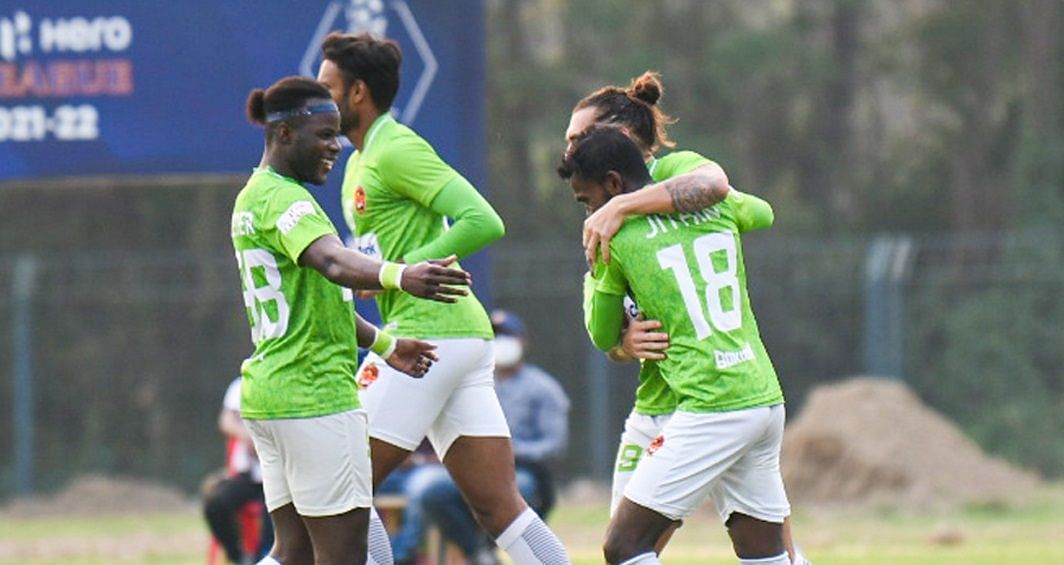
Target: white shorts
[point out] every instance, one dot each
(320, 465)
(455, 398)
(731, 457)
(639, 431)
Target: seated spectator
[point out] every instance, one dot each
(241, 485)
(537, 410)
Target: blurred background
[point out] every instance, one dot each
(913, 151)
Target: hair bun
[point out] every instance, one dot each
(647, 87)
(256, 107)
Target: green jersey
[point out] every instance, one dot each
(388, 188)
(653, 396)
(686, 270)
(306, 350)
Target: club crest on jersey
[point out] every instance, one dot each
(368, 375)
(360, 200)
(655, 445)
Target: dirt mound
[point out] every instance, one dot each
(93, 495)
(870, 440)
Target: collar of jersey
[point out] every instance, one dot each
(653, 164)
(269, 171)
(374, 128)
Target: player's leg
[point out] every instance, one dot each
(291, 544)
(639, 431)
(685, 463)
(328, 472)
(751, 499)
(473, 441)
(483, 470)
(339, 539)
(633, 533)
(401, 409)
(378, 545)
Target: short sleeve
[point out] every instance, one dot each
(412, 168)
(751, 212)
(295, 220)
(678, 163)
(232, 396)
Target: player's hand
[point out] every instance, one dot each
(599, 228)
(367, 294)
(435, 281)
(642, 342)
(412, 356)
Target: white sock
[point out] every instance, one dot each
(781, 559)
(528, 541)
(378, 545)
(648, 558)
(800, 559)
(268, 560)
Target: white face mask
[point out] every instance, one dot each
(508, 351)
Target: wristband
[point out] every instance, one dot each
(383, 344)
(391, 275)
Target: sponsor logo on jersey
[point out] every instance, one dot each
(655, 445)
(291, 216)
(368, 375)
(369, 244)
(360, 200)
(727, 359)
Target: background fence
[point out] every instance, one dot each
(121, 319)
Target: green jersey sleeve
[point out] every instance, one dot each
(604, 309)
(676, 163)
(475, 223)
(751, 212)
(295, 220)
(604, 304)
(413, 169)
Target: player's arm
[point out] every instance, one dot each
(411, 356)
(692, 191)
(475, 223)
(605, 319)
(350, 268)
(751, 212)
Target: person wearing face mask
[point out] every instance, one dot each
(537, 411)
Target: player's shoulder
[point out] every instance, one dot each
(678, 163)
(632, 231)
(681, 155)
(395, 134)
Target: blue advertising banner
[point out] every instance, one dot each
(103, 87)
(127, 86)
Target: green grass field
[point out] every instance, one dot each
(1027, 533)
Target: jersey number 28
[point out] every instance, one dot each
(256, 297)
(724, 319)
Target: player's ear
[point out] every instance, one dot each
(285, 134)
(357, 92)
(614, 183)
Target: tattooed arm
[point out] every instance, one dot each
(689, 192)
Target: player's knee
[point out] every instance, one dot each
(495, 513)
(620, 547)
(753, 538)
(293, 550)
